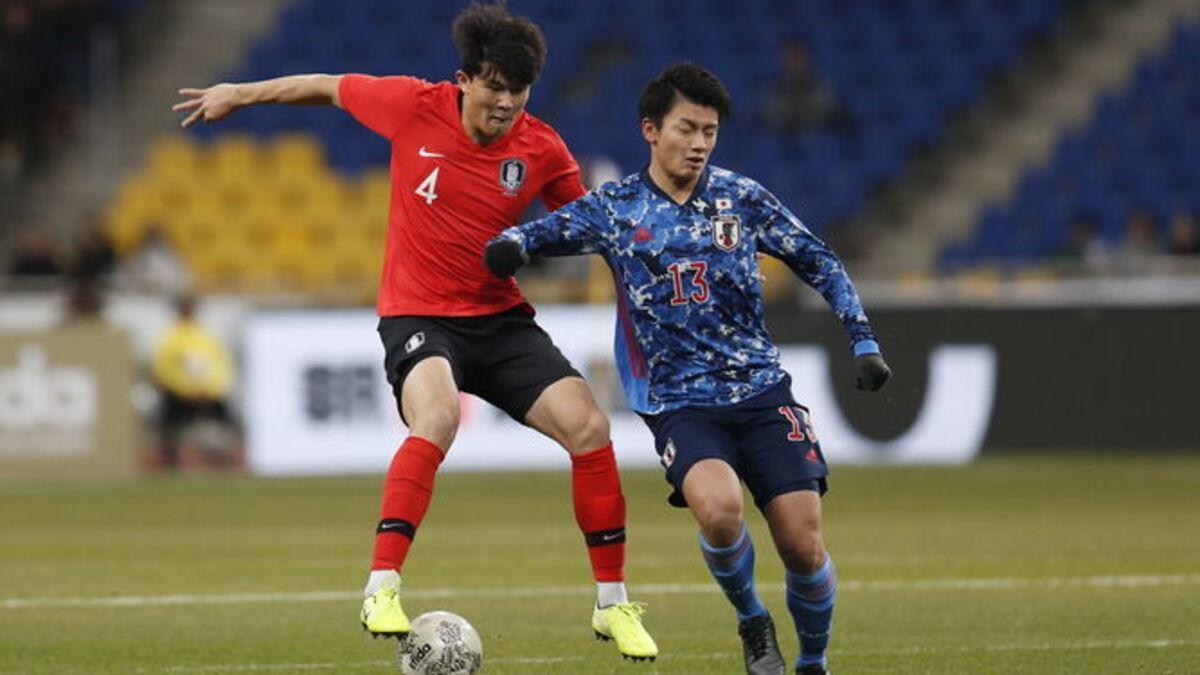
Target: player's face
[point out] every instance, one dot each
(682, 146)
(490, 105)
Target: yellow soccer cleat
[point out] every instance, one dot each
(383, 615)
(622, 622)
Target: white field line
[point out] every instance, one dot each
(1032, 647)
(1004, 583)
(530, 660)
(711, 656)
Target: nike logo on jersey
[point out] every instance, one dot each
(425, 153)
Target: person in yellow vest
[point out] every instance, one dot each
(194, 372)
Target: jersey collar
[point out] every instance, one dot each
(701, 186)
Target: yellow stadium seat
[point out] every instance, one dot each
(319, 234)
(175, 194)
(375, 191)
(236, 156)
(197, 234)
(296, 154)
(173, 156)
(136, 205)
(232, 195)
(305, 195)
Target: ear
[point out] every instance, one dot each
(462, 79)
(649, 131)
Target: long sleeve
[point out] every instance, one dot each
(583, 226)
(785, 237)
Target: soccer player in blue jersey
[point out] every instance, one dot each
(695, 358)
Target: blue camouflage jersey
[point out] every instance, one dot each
(690, 329)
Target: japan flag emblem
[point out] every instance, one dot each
(727, 231)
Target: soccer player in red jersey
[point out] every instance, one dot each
(466, 162)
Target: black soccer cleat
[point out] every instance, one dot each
(813, 669)
(759, 646)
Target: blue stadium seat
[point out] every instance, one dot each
(898, 70)
(1138, 152)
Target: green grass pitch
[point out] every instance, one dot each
(1026, 565)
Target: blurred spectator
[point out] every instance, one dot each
(800, 99)
(20, 97)
(84, 302)
(1140, 246)
(34, 257)
(1085, 247)
(193, 370)
(1184, 237)
(93, 254)
(155, 266)
(45, 48)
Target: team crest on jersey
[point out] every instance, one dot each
(727, 231)
(512, 176)
(724, 203)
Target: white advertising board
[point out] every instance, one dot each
(317, 402)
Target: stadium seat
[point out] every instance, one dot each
(1138, 152)
(897, 69)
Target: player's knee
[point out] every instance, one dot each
(720, 518)
(591, 433)
(438, 425)
(804, 554)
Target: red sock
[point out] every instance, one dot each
(406, 494)
(600, 511)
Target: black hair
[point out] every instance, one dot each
(488, 37)
(688, 80)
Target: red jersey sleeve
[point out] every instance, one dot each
(382, 104)
(563, 184)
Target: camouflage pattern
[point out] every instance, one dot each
(690, 328)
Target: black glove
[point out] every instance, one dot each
(504, 257)
(873, 372)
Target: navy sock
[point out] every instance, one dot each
(733, 568)
(810, 600)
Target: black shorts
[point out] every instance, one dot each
(767, 439)
(506, 359)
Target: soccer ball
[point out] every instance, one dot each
(440, 643)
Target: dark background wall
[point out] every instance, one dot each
(1069, 378)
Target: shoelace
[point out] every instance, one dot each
(633, 610)
(756, 636)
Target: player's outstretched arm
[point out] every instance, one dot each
(575, 229)
(219, 101)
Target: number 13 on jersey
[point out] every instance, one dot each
(698, 281)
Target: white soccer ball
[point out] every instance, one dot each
(441, 643)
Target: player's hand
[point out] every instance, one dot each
(504, 257)
(210, 105)
(873, 372)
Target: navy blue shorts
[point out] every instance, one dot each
(768, 440)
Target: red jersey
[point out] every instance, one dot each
(451, 195)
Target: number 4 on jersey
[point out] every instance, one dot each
(428, 187)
